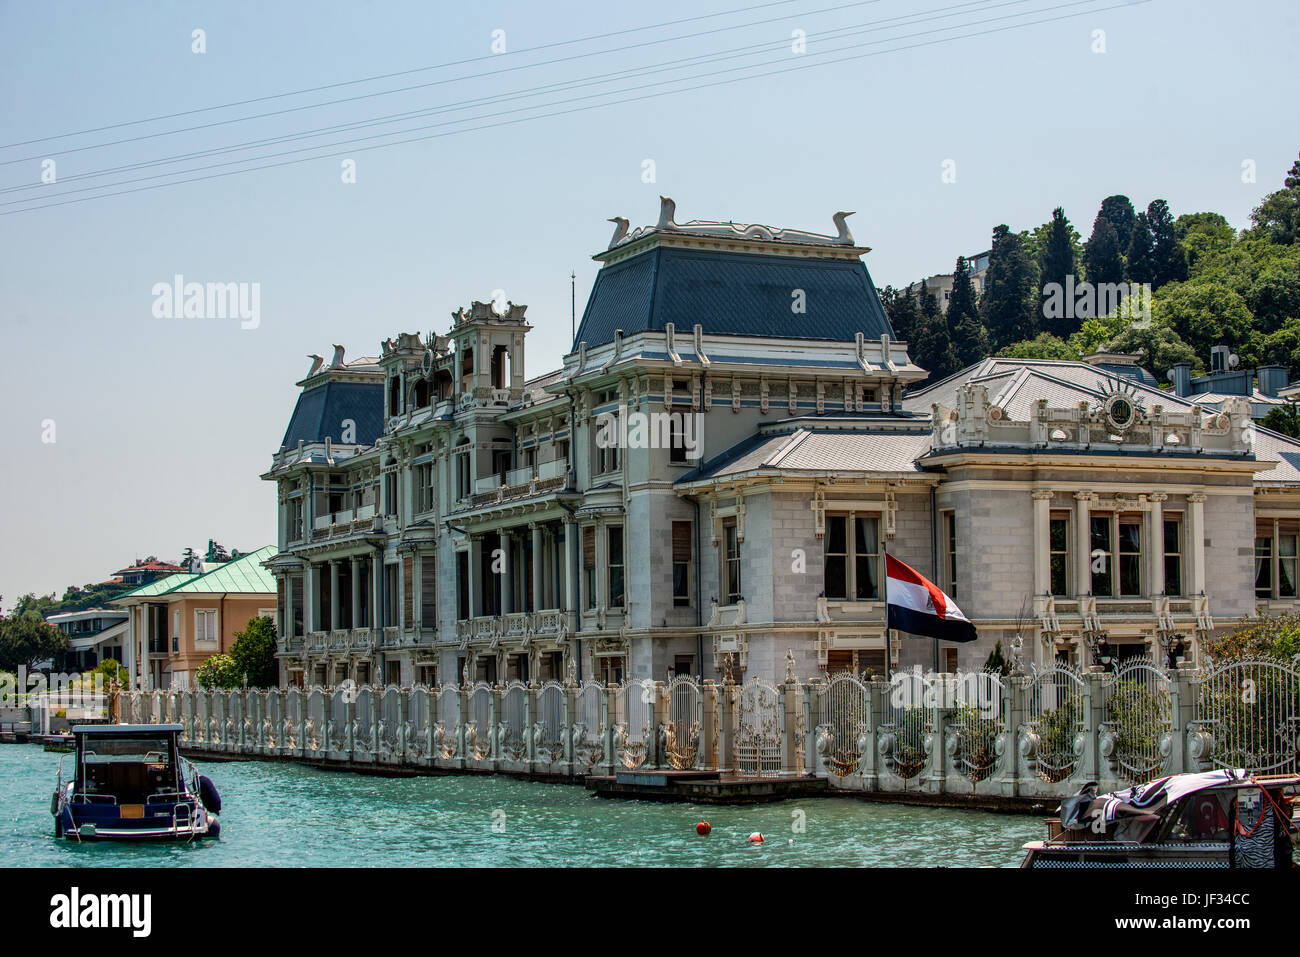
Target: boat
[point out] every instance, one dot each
(130, 783)
(1221, 818)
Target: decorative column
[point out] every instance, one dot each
(507, 581)
(537, 565)
(1156, 543)
(570, 580)
(309, 611)
(417, 590)
(1082, 544)
(1196, 537)
(1042, 541)
(334, 595)
(355, 579)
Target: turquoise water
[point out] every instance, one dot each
(278, 815)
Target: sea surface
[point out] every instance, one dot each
(284, 815)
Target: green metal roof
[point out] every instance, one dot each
(244, 575)
(158, 586)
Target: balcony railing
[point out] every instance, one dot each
(350, 521)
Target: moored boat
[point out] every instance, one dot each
(130, 783)
(1223, 818)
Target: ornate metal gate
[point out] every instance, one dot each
(1250, 713)
(1139, 719)
(758, 728)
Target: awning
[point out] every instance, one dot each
(91, 641)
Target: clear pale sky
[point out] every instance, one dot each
(162, 426)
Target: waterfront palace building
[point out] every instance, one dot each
(713, 477)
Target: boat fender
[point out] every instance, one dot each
(208, 794)
(214, 828)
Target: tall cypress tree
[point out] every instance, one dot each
(1056, 261)
(933, 351)
(1010, 304)
(1119, 211)
(901, 308)
(1169, 259)
(970, 339)
(1102, 260)
(1140, 262)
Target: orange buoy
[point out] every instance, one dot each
(703, 828)
(756, 838)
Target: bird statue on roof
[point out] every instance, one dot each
(620, 231)
(316, 363)
(338, 357)
(667, 212)
(842, 237)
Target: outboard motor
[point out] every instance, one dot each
(208, 794)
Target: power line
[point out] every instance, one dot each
(418, 86)
(805, 66)
(700, 59)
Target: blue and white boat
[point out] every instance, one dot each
(131, 784)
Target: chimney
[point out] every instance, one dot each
(1272, 378)
(1180, 375)
(1218, 359)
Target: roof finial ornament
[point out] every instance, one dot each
(843, 236)
(337, 362)
(620, 231)
(316, 363)
(667, 210)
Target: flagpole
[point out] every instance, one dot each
(889, 634)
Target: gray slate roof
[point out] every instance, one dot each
(730, 293)
(807, 450)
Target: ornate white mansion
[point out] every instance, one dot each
(442, 515)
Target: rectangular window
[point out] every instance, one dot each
(462, 585)
(614, 562)
(390, 493)
(683, 537)
(464, 485)
(1059, 545)
(424, 487)
(1102, 555)
(1286, 564)
(1263, 566)
(205, 624)
(677, 438)
(589, 564)
(950, 552)
(1173, 552)
(1130, 555)
(852, 563)
(730, 562)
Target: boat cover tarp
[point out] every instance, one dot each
(1143, 800)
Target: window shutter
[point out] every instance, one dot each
(408, 590)
(681, 541)
(428, 590)
(589, 547)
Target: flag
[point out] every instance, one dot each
(918, 606)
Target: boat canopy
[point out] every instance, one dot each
(104, 729)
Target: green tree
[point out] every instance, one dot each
(1057, 260)
(1043, 346)
(1140, 262)
(1102, 260)
(1203, 234)
(1010, 304)
(1118, 211)
(219, 671)
(970, 339)
(1276, 636)
(1278, 216)
(253, 651)
(1206, 314)
(1160, 346)
(112, 671)
(1284, 419)
(934, 350)
(26, 640)
(900, 307)
(1169, 259)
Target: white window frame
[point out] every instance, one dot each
(200, 631)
